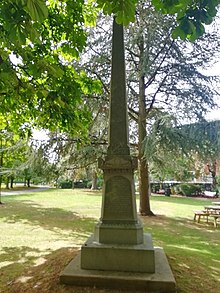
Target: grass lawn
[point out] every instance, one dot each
(42, 231)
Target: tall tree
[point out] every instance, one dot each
(39, 38)
(45, 32)
(163, 76)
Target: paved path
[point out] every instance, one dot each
(24, 191)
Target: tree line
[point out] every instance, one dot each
(44, 84)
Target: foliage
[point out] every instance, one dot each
(37, 86)
(191, 15)
(38, 40)
(21, 159)
(172, 89)
(188, 189)
(207, 136)
(12, 153)
(173, 85)
(170, 69)
(65, 184)
(192, 145)
(164, 139)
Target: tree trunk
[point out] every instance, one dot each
(144, 186)
(7, 183)
(29, 182)
(144, 183)
(11, 181)
(94, 181)
(73, 178)
(213, 171)
(0, 189)
(1, 164)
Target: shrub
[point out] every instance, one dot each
(189, 189)
(65, 184)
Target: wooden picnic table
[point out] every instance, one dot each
(216, 202)
(213, 208)
(209, 211)
(214, 212)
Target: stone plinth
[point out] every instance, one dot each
(161, 280)
(127, 258)
(129, 234)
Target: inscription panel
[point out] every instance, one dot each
(118, 199)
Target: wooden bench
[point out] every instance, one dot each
(200, 214)
(215, 216)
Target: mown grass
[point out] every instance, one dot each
(41, 232)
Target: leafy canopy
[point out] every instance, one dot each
(38, 40)
(191, 15)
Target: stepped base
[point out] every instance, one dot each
(162, 280)
(118, 257)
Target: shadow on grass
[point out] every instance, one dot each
(193, 249)
(33, 273)
(48, 218)
(177, 229)
(191, 276)
(45, 277)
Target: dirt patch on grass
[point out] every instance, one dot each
(45, 277)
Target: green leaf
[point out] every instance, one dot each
(178, 32)
(187, 26)
(170, 6)
(55, 71)
(205, 17)
(37, 10)
(200, 29)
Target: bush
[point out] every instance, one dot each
(188, 189)
(155, 187)
(80, 184)
(65, 184)
(99, 183)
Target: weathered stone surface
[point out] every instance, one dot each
(119, 233)
(119, 257)
(161, 281)
(118, 122)
(118, 201)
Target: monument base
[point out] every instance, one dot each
(118, 257)
(162, 280)
(119, 234)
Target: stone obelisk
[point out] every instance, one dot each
(119, 234)
(119, 222)
(119, 254)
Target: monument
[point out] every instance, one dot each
(119, 246)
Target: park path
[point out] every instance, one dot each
(24, 191)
